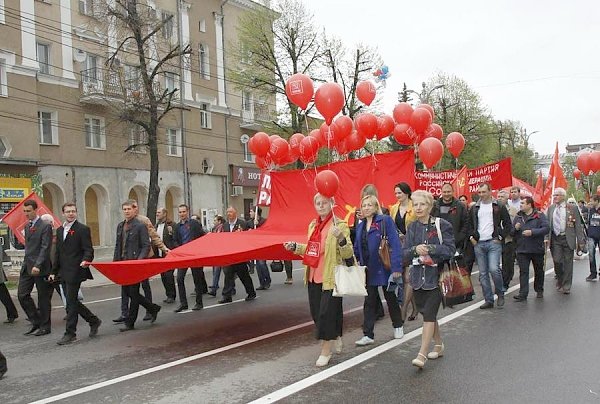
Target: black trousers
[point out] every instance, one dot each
(75, 308)
(241, 270)
(133, 292)
(40, 315)
(3, 366)
(524, 260)
(326, 312)
(125, 298)
(371, 309)
(199, 284)
(168, 280)
(11, 310)
(508, 263)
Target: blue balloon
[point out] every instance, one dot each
(384, 69)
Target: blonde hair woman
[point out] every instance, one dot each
(424, 250)
(328, 245)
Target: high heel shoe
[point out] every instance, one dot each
(419, 361)
(436, 354)
(323, 360)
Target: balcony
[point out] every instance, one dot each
(254, 115)
(100, 86)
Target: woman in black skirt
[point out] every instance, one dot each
(423, 251)
(328, 245)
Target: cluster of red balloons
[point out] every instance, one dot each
(588, 162)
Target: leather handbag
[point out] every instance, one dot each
(277, 266)
(384, 248)
(350, 280)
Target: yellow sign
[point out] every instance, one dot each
(14, 189)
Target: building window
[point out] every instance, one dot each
(248, 156)
(202, 25)
(204, 61)
(90, 74)
(138, 140)
(207, 166)
(132, 80)
(95, 137)
(174, 142)
(43, 57)
(246, 101)
(167, 29)
(3, 78)
(48, 123)
(205, 116)
(86, 7)
(171, 81)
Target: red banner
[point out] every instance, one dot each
(460, 184)
(16, 219)
(264, 190)
(498, 175)
(556, 179)
(290, 213)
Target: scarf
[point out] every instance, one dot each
(313, 247)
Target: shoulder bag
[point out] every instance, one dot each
(350, 279)
(384, 248)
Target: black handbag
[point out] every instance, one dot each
(277, 266)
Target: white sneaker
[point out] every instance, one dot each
(365, 341)
(398, 332)
(339, 345)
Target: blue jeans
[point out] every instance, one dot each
(215, 278)
(488, 254)
(591, 247)
(262, 270)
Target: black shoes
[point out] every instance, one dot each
(591, 278)
(41, 332)
(154, 314)
(10, 320)
(540, 295)
(486, 305)
(198, 307)
(126, 328)
(520, 298)
(121, 319)
(147, 317)
(32, 330)
(180, 309)
(250, 297)
(67, 339)
(169, 300)
(225, 300)
(212, 293)
(94, 328)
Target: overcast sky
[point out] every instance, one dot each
(534, 61)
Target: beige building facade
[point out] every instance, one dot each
(59, 107)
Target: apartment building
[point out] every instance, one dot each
(60, 103)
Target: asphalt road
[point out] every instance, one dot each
(542, 350)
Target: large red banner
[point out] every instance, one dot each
(16, 219)
(498, 175)
(291, 211)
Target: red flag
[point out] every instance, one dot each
(556, 179)
(461, 184)
(539, 189)
(16, 219)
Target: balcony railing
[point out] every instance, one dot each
(256, 112)
(98, 85)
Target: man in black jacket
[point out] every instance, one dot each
(164, 229)
(72, 258)
(185, 231)
(133, 243)
(235, 224)
(452, 210)
(35, 270)
(489, 223)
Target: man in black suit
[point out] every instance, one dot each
(164, 229)
(72, 258)
(185, 231)
(133, 243)
(35, 270)
(234, 224)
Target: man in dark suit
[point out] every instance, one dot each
(566, 234)
(234, 224)
(185, 231)
(35, 270)
(72, 258)
(133, 243)
(164, 229)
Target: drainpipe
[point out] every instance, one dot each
(187, 193)
(228, 177)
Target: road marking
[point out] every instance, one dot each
(177, 362)
(356, 360)
(215, 305)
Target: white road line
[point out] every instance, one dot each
(216, 305)
(177, 362)
(334, 370)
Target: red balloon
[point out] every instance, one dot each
(344, 125)
(402, 134)
(385, 126)
(434, 130)
(328, 133)
(366, 92)
(430, 151)
(420, 120)
(366, 125)
(295, 140)
(595, 161)
(342, 146)
(355, 141)
(327, 183)
(577, 173)
(309, 146)
(261, 144)
(299, 89)
(329, 100)
(316, 133)
(263, 162)
(279, 151)
(428, 108)
(584, 163)
(403, 112)
(455, 143)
